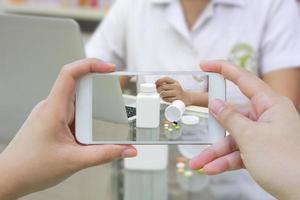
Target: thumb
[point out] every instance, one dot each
(231, 120)
(99, 154)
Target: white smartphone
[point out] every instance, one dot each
(106, 110)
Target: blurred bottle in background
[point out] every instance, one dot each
(103, 4)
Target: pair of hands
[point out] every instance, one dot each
(264, 139)
(44, 152)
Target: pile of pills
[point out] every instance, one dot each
(171, 126)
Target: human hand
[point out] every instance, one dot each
(265, 139)
(171, 90)
(44, 152)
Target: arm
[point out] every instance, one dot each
(198, 98)
(286, 82)
(280, 47)
(45, 152)
(171, 90)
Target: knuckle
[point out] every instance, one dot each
(226, 115)
(93, 60)
(40, 106)
(40, 111)
(66, 70)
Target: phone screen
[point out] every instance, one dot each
(151, 108)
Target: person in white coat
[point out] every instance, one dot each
(161, 35)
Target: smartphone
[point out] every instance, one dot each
(106, 110)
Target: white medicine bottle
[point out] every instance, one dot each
(147, 107)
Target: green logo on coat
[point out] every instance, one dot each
(243, 55)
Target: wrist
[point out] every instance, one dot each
(199, 98)
(188, 98)
(193, 98)
(8, 182)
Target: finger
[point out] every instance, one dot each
(224, 147)
(232, 161)
(249, 84)
(236, 123)
(64, 88)
(99, 154)
(159, 90)
(165, 87)
(170, 99)
(168, 94)
(163, 80)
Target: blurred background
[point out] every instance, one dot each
(88, 13)
(97, 182)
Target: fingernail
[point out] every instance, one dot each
(193, 164)
(216, 106)
(129, 153)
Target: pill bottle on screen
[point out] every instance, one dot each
(148, 107)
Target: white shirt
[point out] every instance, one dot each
(260, 35)
(263, 36)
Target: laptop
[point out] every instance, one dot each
(109, 103)
(32, 52)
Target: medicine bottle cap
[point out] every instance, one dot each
(173, 114)
(190, 120)
(148, 88)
